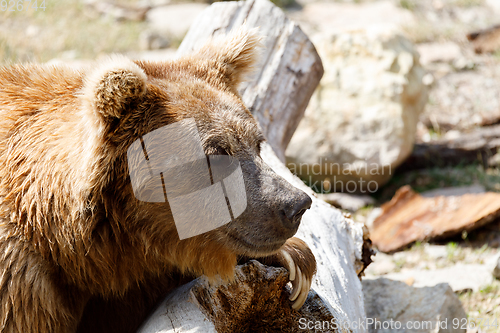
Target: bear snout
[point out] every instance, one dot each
(292, 213)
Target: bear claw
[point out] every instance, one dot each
(296, 285)
(299, 260)
(290, 263)
(301, 283)
(306, 285)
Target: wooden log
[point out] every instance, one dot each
(476, 146)
(288, 72)
(411, 217)
(255, 301)
(342, 250)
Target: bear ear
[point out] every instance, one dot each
(236, 52)
(113, 85)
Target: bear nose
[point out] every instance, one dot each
(293, 212)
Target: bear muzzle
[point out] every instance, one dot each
(291, 214)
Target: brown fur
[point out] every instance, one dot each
(77, 251)
(486, 41)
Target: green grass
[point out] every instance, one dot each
(413, 4)
(490, 289)
(451, 250)
(429, 179)
(496, 54)
(468, 3)
(483, 307)
(408, 4)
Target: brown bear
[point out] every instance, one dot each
(78, 251)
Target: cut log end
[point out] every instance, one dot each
(256, 301)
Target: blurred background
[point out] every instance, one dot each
(402, 132)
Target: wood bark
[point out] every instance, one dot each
(287, 74)
(255, 301)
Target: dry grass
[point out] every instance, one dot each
(467, 3)
(65, 29)
(483, 308)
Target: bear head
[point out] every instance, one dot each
(193, 104)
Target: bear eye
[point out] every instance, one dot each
(217, 150)
(259, 145)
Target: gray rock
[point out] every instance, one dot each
(447, 52)
(361, 122)
(153, 3)
(454, 191)
(372, 216)
(496, 270)
(435, 251)
(494, 4)
(464, 100)
(174, 20)
(118, 12)
(339, 16)
(154, 55)
(152, 40)
(460, 277)
(433, 309)
(350, 202)
(382, 264)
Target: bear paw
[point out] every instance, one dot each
(296, 256)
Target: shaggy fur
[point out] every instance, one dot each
(78, 252)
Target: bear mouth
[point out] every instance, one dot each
(262, 249)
